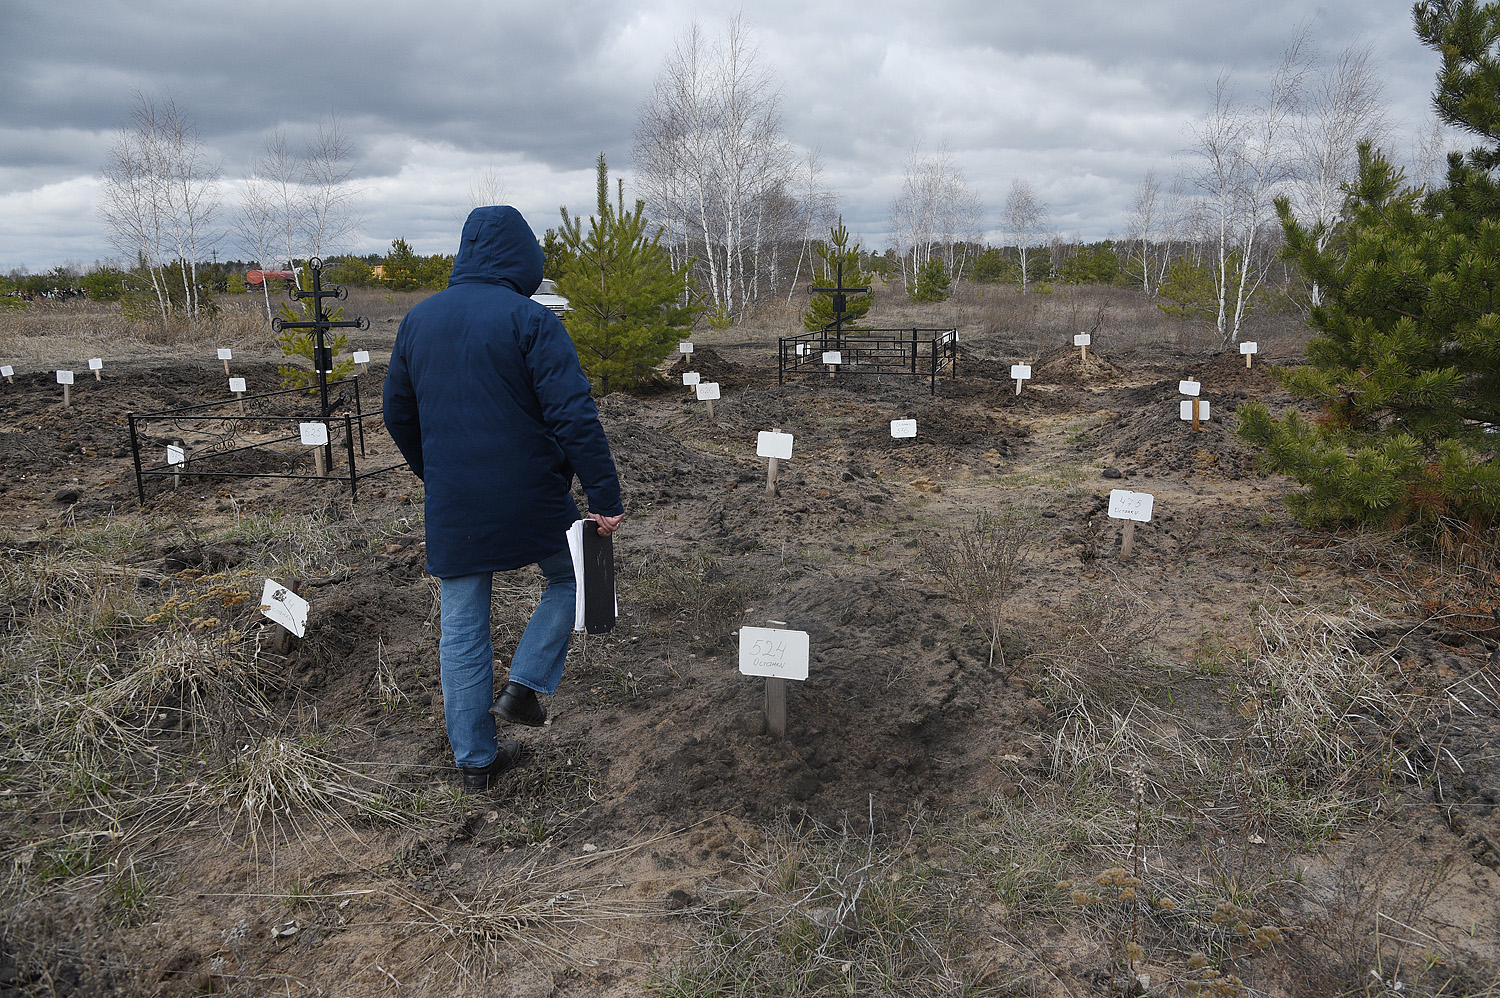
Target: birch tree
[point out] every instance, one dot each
(1144, 217)
(309, 191)
(1344, 106)
(715, 170)
(1025, 221)
(816, 209)
(331, 199)
(934, 213)
(132, 209)
(1245, 158)
(255, 222)
(159, 197)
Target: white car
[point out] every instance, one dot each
(547, 295)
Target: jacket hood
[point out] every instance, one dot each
(498, 247)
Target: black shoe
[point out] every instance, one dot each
(482, 779)
(518, 705)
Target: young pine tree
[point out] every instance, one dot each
(1406, 361)
(627, 297)
(933, 283)
(820, 311)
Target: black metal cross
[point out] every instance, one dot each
(840, 302)
(322, 355)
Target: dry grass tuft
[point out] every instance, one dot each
(980, 567)
(822, 911)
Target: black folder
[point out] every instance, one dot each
(598, 580)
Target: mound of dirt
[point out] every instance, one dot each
(1151, 433)
(712, 366)
(1226, 371)
(654, 467)
(1064, 366)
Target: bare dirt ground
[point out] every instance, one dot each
(1251, 759)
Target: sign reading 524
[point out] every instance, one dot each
(774, 652)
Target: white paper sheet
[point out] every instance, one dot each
(575, 549)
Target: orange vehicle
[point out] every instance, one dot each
(255, 278)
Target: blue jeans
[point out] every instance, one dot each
(466, 653)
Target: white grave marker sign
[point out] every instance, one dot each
(803, 349)
(284, 606)
(1185, 409)
(707, 391)
(773, 652)
(313, 434)
(176, 455)
(237, 385)
(96, 363)
(1192, 388)
(1020, 372)
(225, 353)
(1127, 505)
(833, 356)
(691, 378)
(684, 346)
(773, 444)
(64, 377)
(361, 356)
(903, 428)
(7, 371)
(1083, 340)
(1249, 346)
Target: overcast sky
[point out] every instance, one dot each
(1079, 97)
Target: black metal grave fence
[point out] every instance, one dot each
(239, 438)
(913, 353)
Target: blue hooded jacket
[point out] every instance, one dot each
(487, 401)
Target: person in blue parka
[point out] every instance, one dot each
(486, 400)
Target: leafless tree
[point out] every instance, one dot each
(308, 192)
(255, 222)
(1145, 215)
(487, 188)
(1430, 147)
(714, 168)
(132, 208)
(816, 209)
(160, 195)
(1344, 106)
(1245, 159)
(277, 173)
(331, 199)
(934, 212)
(1025, 221)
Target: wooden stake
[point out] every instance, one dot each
(1127, 543)
(319, 460)
(1195, 414)
(98, 374)
(1247, 360)
(1018, 386)
(1083, 353)
(771, 469)
(67, 395)
(776, 706)
(226, 368)
(710, 409)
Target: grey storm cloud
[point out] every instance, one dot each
(1080, 97)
